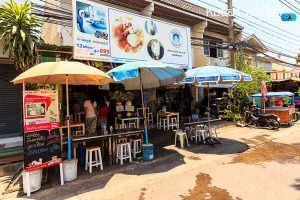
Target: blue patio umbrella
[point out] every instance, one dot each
(146, 74)
(211, 75)
(215, 75)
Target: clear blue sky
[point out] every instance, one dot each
(260, 9)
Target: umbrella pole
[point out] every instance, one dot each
(68, 117)
(208, 109)
(143, 106)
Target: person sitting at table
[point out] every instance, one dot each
(90, 114)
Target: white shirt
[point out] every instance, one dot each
(90, 111)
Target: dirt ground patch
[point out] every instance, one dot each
(193, 158)
(203, 190)
(268, 150)
(142, 194)
(256, 140)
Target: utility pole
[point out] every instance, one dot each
(231, 32)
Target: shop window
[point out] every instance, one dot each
(220, 53)
(211, 47)
(206, 48)
(213, 50)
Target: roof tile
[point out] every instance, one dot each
(195, 9)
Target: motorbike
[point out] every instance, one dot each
(270, 121)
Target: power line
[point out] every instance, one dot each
(263, 20)
(63, 9)
(247, 35)
(290, 6)
(263, 35)
(270, 56)
(54, 15)
(52, 9)
(63, 2)
(252, 22)
(243, 21)
(264, 27)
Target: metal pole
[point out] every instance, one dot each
(231, 32)
(208, 109)
(143, 106)
(68, 117)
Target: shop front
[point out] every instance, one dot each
(89, 125)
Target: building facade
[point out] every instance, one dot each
(209, 37)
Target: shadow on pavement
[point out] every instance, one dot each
(166, 158)
(228, 146)
(297, 184)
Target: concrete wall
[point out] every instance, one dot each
(265, 65)
(198, 57)
(278, 67)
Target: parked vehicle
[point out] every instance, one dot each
(270, 121)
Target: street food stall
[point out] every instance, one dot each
(278, 103)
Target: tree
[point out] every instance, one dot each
(242, 92)
(20, 30)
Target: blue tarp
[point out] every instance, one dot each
(274, 94)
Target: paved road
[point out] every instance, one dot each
(250, 164)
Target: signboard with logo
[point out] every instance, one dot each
(107, 34)
(40, 110)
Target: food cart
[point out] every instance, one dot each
(278, 103)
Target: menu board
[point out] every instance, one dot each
(41, 133)
(42, 148)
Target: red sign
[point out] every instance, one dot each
(54, 161)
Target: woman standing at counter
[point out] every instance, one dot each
(90, 114)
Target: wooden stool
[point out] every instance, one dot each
(89, 162)
(121, 139)
(163, 123)
(120, 126)
(174, 123)
(136, 146)
(123, 152)
(131, 125)
(150, 117)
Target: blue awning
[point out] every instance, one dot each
(274, 94)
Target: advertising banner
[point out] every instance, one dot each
(41, 133)
(40, 110)
(108, 34)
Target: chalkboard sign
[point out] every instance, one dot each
(41, 146)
